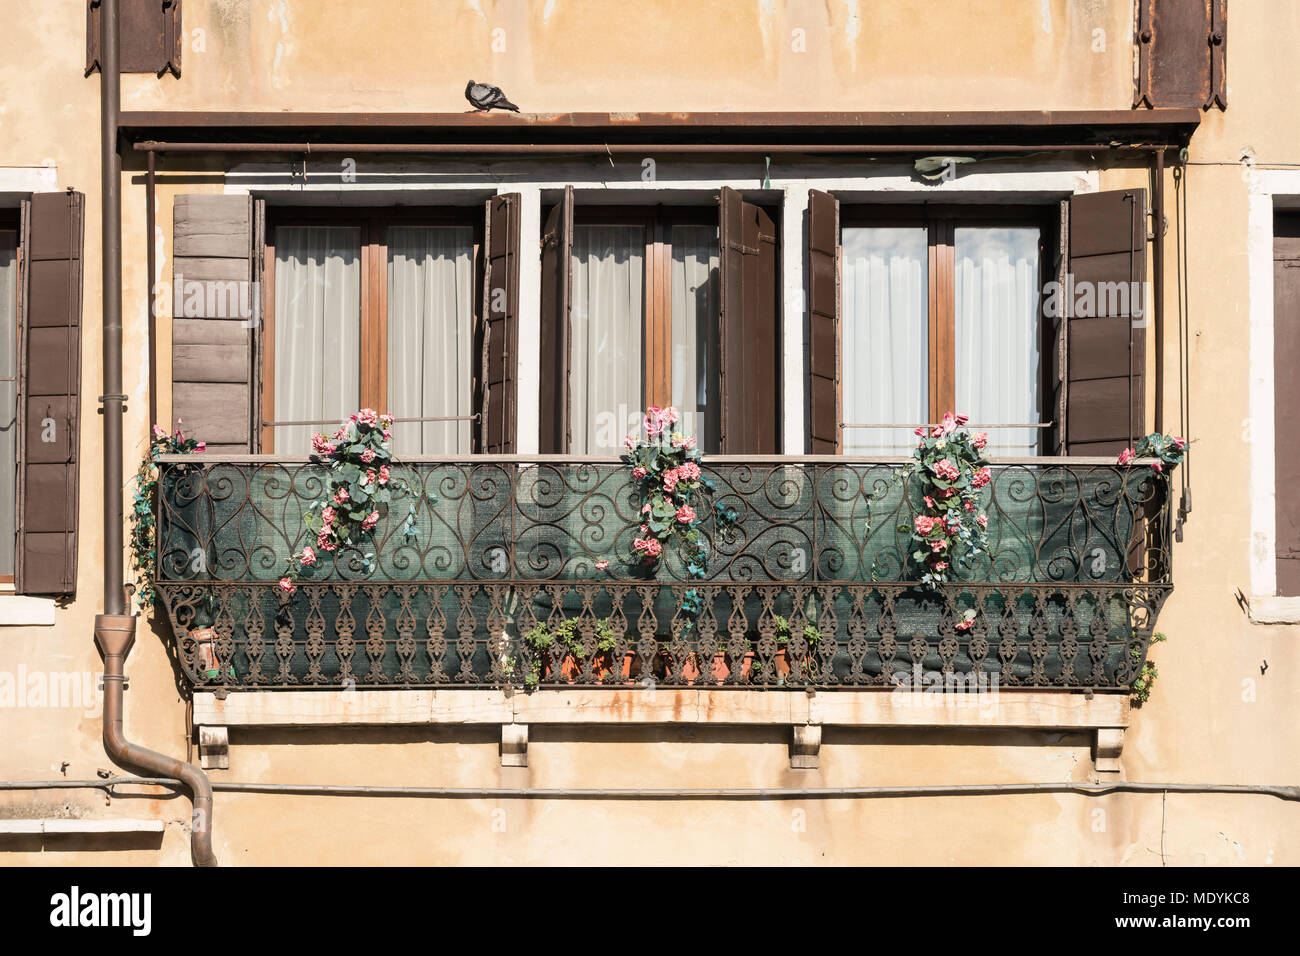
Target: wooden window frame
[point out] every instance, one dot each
(10, 221)
(941, 223)
(373, 358)
(657, 285)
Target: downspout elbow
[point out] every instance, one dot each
(115, 634)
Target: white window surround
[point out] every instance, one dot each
(687, 182)
(1268, 191)
(18, 610)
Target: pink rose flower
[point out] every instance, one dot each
(308, 557)
(159, 431)
(602, 565)
(653, 421)
(328, 515)
(370, 477)
(947, 492)
(936, 432)
(385, 420)
(342, 433)
(929, 502)
(287, 586)
(368, 416)
(969, 506)
(367, 456)
(1126, 456)
(372, 519)
(924, 524)
(964, 625)
(325, 541)
(319, 443)
(982, 521)
(949, 423)
(690, 470)
(383, 474)
(670, 415)
(981, 478)
(1158, 467)
(688, 443)
(629, 442)
(670, 480)
(653, 547)
(685, 514)
(946, 470)
(645, 508)
(937, 546)
(919, 432)
(1180, 443)
(638, 472)
(961, 419)
(388, 435)
(981, 439)
(940, 566)
(201, 446)
(341, 495)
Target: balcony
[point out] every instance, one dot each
(809, 587)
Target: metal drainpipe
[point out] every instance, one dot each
(115, 628)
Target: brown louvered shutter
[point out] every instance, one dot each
(1286, 395)
(1106, 353)
(214, 307)
(555, 361)
(1182, 53)
(824, 322)
(50, 387)
(501, 324)
(749, 369)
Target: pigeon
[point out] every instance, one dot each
(483, 97)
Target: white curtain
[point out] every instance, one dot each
(695, 332)
(8, 398)
(430, 319)
(998, 371)
(606, 319)
(884, 339)
(317, 330)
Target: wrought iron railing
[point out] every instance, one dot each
(810, 584)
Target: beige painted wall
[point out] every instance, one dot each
(1204, 723)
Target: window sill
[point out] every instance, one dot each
(17, 610)
(1271, 609)
(56, 825)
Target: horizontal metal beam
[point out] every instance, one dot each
(880, 121)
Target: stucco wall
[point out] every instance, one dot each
(1216, 713)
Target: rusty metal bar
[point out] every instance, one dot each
(606, 149)
(1158, 277)
(151, 265)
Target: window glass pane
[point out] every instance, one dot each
(317, 330)
(430, 325)
(998, 333)
(884, 339)
(695, 332)
(8, 395)
(607, 320)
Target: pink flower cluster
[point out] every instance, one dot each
(649, 547)
(657, 419)
(946, 470)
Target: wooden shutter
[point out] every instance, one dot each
(214, 309)
(50, 387)
(1182, 53)
(501, 324)
(1106, 354)
(824, 322)
(749, 369)
(556, 361)
(1286, 394)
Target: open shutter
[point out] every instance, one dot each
(501, 324)
(1182, 53)
(50, 387)
(750, 369)
(214, 309)
(1106, 332)
(556, 360)
(824, 322)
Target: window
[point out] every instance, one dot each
(644, 323)
(372, 309)
(941, 311)
(8, 393)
